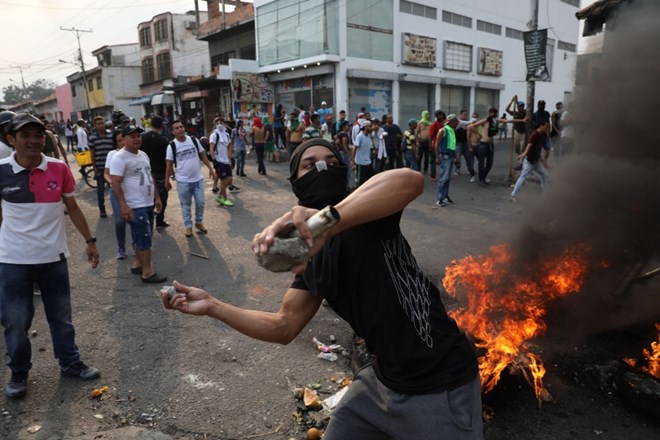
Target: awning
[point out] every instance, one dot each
(140, 101)
(162, 99)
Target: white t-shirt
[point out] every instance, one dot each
(81, 134)
(188, 163)
(220, 138)
(137, 184)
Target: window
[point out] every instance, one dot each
(370, 34)
(222, 59)
(562, 45)
(575, 3)
(73, 90)
(514, 33)
(99, 83)
(459, 20)
(160, 30)
(489, 27)
(147, 70)
(145, 37)
(163, 65)
(458, 56)
(90, 85)
(295, 29)
(417, 9)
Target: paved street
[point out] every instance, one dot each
(176, 376)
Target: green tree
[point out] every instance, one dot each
(39, 89)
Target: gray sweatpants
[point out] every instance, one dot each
(371, 411)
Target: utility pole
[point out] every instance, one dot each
(24, 89)
(82, 66)
(531, 85)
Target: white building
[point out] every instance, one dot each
(110, 86)
(402, 57)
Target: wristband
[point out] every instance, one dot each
(91, 240)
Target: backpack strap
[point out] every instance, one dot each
(173, 148)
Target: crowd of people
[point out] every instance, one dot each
(361, 174)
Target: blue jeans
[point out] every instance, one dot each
(485, 156)
(186, 193)
(463, 149)
(142, 227)
(100, 190)
(446, 165)
(120, 223)
(159, 180)
(411, 160)
(527, 169)
(17, 311)
(240, 162)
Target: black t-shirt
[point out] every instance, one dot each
(538, 141)
(392, 139)
(370, 278)
(155, 145)
(340, 141)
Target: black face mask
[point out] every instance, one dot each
(318, 189)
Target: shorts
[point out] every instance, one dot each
(141, 227)
(223, 170)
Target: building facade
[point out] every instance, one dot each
(108, 87)
(402, 57)
(170, 54)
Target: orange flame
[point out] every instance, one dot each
(506, 309)
(651, 358)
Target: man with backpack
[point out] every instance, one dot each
(187, 154)
(155, 145)
(220, 144)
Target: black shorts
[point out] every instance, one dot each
(223, 170)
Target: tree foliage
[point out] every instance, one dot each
(37, 90)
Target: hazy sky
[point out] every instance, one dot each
(33, 41)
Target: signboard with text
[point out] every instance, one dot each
(535, 49)
(490, 62)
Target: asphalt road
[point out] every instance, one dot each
(181, 377)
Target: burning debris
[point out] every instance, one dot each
(505, 309)
(651, 362)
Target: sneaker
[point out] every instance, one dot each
(188, 232)
(219, 199)
(243, 175)
(472, 179)
(514, 199)
(103, 214)
(215, 190)
(234, 189)
(121, 254)
(201, 228)
(79, 369)
(227, 202)
(17, 385)
(162, 224)
(487, 180)
(483, 184)
(448, 199)
(457, 173)
(440, 203)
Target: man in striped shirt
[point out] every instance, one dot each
(101, 142)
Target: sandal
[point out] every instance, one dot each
(136, 270)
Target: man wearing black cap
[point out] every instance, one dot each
(133, 184)
(423, 368)
(33, 251)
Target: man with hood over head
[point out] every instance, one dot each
(423, 368)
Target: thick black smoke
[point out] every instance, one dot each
(607, 194)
